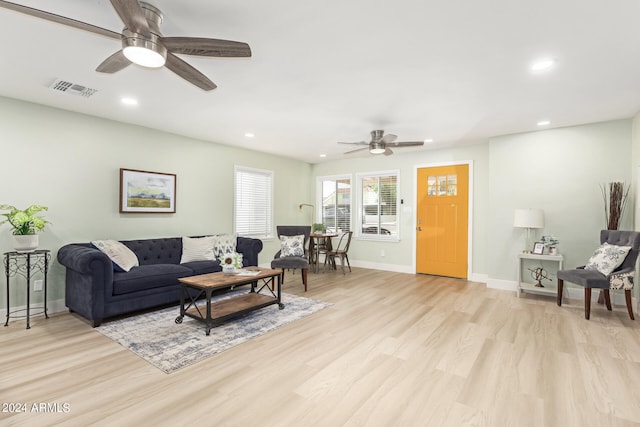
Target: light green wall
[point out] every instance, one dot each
(559, 171)
(70, 162)
(400, 255)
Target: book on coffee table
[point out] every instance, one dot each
(243, 272)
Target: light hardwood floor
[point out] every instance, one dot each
(393, 350)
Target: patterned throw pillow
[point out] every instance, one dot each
(224, 244)
(607, 258)
(197, 249)
(122, 257)
(292, 245)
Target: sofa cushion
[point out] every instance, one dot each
(149, 277)
(224, 244)
(203, 267)
(292, 246)
(122, 257)
(197, 249)
(607, 258)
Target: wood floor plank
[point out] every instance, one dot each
(392, 349)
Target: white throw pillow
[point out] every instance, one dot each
(197, 249)
(607, 258)
(224, 244)
(292, 246)
(122, 256)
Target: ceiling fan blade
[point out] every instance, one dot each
(406, 143)
(388, 152)
(354, 143)
(115, 62)
(207, 47)
(59, 19)
(188, 73)
(389, 138)
(132, 15)
(356, 150)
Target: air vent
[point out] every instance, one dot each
(72, 88)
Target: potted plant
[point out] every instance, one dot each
(551, 242)
(317, 228)
(25, 224)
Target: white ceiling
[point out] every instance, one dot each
(456, 71)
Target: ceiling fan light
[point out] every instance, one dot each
(143, 51)
(376, 147)
(144, 56)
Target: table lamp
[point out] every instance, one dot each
(529, 219)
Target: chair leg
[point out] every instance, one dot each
(627, 296)
(607, 298)
(560, 286)
(304, 278)
(342, 263)
(347, 258)
(587, 303)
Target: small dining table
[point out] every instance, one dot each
(315, 242)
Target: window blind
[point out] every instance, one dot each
(253, 212)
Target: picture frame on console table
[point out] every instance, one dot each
(538, 248)
(147, 192)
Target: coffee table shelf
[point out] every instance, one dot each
(215, 313)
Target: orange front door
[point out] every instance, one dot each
(442, 221)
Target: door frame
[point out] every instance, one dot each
(469, 163)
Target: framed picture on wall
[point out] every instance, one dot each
(147, 192)
(538, 248)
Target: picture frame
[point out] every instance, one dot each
(538, 248)
(147, 192)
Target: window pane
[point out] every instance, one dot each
(452, 187)
(253, 203)
(336, 204)
(431, 186)
(379, 210)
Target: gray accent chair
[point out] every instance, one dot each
(293, 262)
(593, 279)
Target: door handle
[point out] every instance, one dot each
(419, 228)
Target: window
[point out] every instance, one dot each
(253, 212)
(335, 205)
(378, 205)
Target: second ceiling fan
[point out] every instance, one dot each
(380, 143)
(143, 44)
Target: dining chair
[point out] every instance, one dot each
(288, 262)
(612, 266)
(341, 250)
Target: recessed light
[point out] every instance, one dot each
(129, 101)
(428, 140)
(249, 135)
(542, 65)
(323, 155)
(544, 123)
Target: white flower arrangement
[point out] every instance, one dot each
(231, 259)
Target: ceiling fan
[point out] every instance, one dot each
(143, 44)
(380, 144)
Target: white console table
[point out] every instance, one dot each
(550, 288)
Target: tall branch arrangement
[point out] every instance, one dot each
(615, 200)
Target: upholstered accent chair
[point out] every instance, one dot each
(591, 276)
(293, 262)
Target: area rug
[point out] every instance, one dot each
(157, 338)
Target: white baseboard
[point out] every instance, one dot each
(505, 285)
(52, 307)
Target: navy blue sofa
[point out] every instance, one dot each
(95, 291)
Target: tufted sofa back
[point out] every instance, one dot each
(156, 251)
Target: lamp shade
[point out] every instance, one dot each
(528, 218)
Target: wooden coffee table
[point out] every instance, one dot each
(215, 313)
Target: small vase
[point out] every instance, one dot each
(25, 243)
(228, 269)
